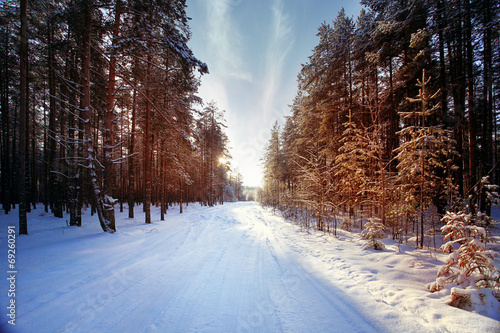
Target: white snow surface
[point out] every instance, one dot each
(230, 268)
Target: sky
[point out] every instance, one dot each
(254, 50)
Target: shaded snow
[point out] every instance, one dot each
(230, 268)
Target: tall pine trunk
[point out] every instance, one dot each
(131, 165)
(457, 76)
(470, 101)
(147, 147)
(101, 200)
(23, 219)
(487, 132)
(6, 136)
(53, 191)
(109, 182)
(75, 213)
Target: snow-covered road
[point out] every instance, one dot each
(228, 268)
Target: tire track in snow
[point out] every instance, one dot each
(220, 269)
(186, 265)
(133, 286)
(298, 285)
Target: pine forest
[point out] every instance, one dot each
(250, 166)
(395, 120)
(99, 107)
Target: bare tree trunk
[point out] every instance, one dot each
(470, 100)
(101, 200)
(54, 189)
(442, 61)
(121, 179)
(34, 197)
(423, 109)
(487, 133)
(147, 147)
(131, 163)
(458, 91)
(6, 160)
(109, 182)
(393, 121)
(23, 219)
(27, 168)
(75, 213)
(161, 191)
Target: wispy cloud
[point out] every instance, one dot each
(280, 44)
(225, 40)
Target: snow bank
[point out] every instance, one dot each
(395, 278)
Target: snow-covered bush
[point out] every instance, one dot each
(470, 266)
(373, 229)
(346, 224)
(472, 299)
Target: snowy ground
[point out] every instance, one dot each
(230, 268)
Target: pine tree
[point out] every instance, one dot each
(315, 190)
(109, 119)
(273, 168)
(351, 167)
(424, 156)
(289, 148)
(212, 142)
(373, 229)
(102, 199)
(8, 73)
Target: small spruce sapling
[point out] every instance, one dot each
(470, 267)
(373, 229)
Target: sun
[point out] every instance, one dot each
(222, 160)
